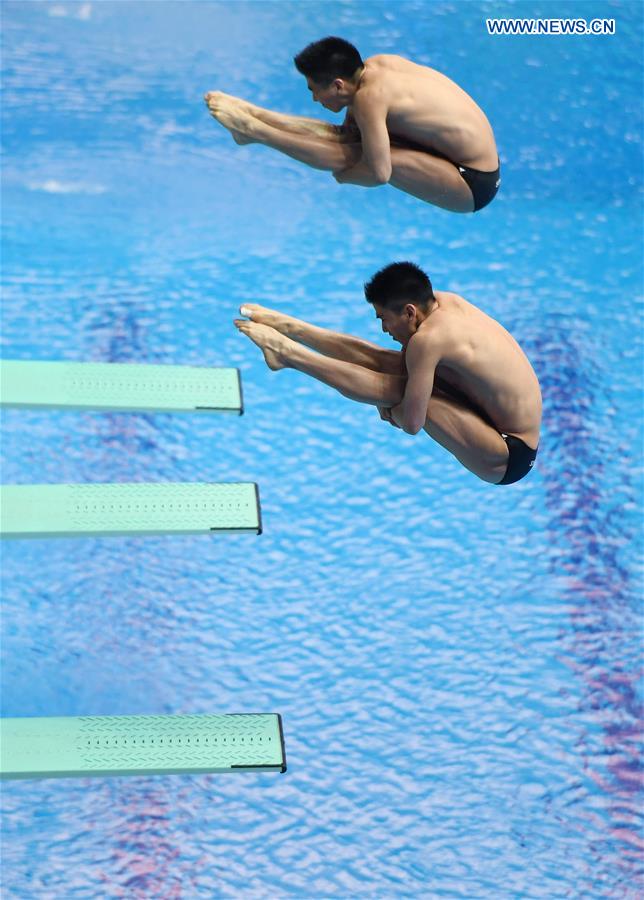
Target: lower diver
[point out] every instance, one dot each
(460, 376)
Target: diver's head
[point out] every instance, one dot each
(332, 68)
(402, 297)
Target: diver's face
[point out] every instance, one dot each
(399, 326)
(330, 96)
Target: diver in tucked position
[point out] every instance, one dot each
(406, 125)
(460, 375)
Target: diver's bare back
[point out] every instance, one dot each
(429, 109)
(481, 359)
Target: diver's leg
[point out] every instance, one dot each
(283, 121)
(317, 152)
(430, 178)
(474, 443)
(353, 381)
(331, 343)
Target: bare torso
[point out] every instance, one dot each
(427, 108)
(480, 358)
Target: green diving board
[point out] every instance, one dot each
(120, 386)
(75, 510)
(67, 747)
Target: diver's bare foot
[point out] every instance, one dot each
(230, 112)
(272, 344)
(286, 325)
(217, 98)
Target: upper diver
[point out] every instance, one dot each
(406, 125)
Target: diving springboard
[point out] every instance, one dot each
(120, 386)
(76, 510)
(67, 747)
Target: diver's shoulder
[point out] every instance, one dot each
(436, 329)
(449, 302)
(445, 322)
(386, 62)
(383, 58)
(442, 294)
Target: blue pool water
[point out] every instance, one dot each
(457, 665)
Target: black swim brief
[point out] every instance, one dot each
(483, 185)
(520, 461)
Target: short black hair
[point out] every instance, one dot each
(397, 284)
(330, 58)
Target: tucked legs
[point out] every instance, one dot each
(324, 146)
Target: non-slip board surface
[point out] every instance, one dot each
(140, 745)
(119, 386)
(74, 510)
